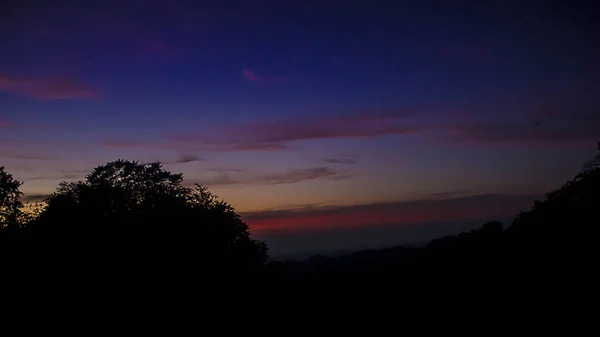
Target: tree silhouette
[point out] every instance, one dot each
(560, 228)
(132, 206)
(10, 204)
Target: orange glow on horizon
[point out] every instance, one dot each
(367, 217)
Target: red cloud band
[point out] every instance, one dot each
(387, 214)
(47, 87)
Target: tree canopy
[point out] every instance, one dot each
(10, 204)
(129, 204)
(143, 214)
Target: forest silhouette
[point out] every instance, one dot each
(133, 220)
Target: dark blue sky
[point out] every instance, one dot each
(289, 104)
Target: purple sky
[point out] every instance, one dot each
(289, 108)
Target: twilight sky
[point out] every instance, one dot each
(327, 124)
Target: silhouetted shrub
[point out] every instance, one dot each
(144, 212)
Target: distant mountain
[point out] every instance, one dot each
(361, 260)
(555, 237)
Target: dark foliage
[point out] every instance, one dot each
(10, 204)
(551, 246)
(138, 222)
(140, 217)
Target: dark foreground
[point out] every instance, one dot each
(548, 253)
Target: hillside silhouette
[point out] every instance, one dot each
(552, 244)
(134, 220)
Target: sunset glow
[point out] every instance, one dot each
(305, 116)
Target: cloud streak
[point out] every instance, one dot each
(12, 155)
(345, 161)
(280, 135)
(544, 126)
(277, 135)
(402, 213)
(178, 144)
(57, 177)
(354, 126)
(244, 177)
(184, 158)
(251, 76)
(47, 88)
(158, 50)
(6, 124)
(294, 176)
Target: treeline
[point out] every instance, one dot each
(139, 219)
(552, 244)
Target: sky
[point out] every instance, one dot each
(327, 125)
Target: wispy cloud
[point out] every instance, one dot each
(255, 147)
(294, 176)
(188, 158)
(158, 50)
(251, 76)
(354, 126)
(47, 88)
(227, 170)
(544, 126)
(184, 158)
(245, 177)
(6, 124)
(340, 160)
(280, 135)
(402, 213)
(128, 144)
(277, 135)
(12, 155)
(186, 143)
(63, 176)
(116, 144)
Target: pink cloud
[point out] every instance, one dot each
(47, 88)
(121, 144)
(345, 161)
(355, 126)
(546, 126)
(282, 134)
(276, 134)
(244, 177)
(14, 155)
(300, 175)
(251, 76)
(569, 116)
(404, 213)
(181, 144)
(258, 147)
(156, 49)
(6, 124)
(118, 144)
